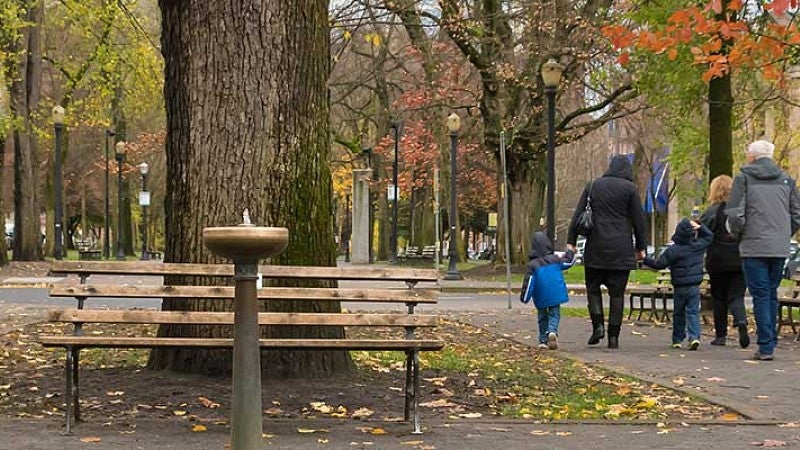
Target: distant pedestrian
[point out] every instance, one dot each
(763, 212)
(724, 266)
(544, 284)
(610, 252)
(685, 261)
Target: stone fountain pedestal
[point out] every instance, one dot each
(246, 244)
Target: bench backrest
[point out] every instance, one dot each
(87, 268)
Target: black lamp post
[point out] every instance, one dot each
(106, 241)
(395, 126)
(120, 158)
(144, 202)
(453, 124)
(551, 76)
(58, 124)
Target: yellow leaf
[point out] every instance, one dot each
(267, 436)
(563, 433)
(179, 413)
(346, 35)
(322, 441)
(411, 443)
(306, 430)
(377, 431)
(207, 403)
(731, 417)
(199, 428)
(90, 439)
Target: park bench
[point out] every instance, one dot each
(789, 302)
(429, 252)
(406, 323)
(658, 295)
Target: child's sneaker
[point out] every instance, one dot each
(694, 345)
(552, 341)
(677, 345)
(542, 345)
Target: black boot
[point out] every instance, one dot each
(596, 313)
(598, 331)
(613, 336)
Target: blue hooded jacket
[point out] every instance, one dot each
(685, 257)
(544, 282)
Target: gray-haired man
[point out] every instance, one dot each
(764, 211)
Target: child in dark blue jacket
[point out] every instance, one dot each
(685, 261)
(545, 284)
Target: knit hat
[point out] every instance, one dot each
(761, 149)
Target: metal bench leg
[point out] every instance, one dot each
(630, 310)
(417, 425)
(409, 386)
(666, 311)
(76, 389)
(68, 392)
(641, 308)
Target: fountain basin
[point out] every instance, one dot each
(246, 243)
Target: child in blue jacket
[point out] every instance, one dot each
(685, 261)
(545, 284)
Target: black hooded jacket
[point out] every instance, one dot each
(685, 257)
(617, 213)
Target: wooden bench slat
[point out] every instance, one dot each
(133, 342)
(226, 318)
(226, 270)
(275, 293)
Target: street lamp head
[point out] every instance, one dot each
(58, 115)
(143, 168)
(551, 73)
(453, 123)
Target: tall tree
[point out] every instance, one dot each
(248, 127)
(507, 43)
(25, 78)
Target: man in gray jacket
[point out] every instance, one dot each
(764, 212)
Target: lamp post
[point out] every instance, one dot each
(395, 126)
(106, 241)
(453, 124)
(551, 76)
(144, 202)
(58, 125)
(120, 158)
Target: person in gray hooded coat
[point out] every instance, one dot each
(763, 212)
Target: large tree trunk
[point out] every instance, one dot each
(248, 129)
(24, 98)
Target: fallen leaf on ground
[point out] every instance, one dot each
(563, 433)
(411, 443)
(474, 415)
(273, 411)
(378, 431)
(179, 413)
(207, 403)
(729, 417)
(199, 428)
(267, 436)
(540, 433)
(362, 412)
(90, 439)
(322, 441)
(716, 379)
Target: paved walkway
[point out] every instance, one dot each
(761, 390)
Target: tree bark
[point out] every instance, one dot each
(720, 132)
(25, 90)
(247, 115)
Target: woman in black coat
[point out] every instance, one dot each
(724, 266)
(610, 252)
